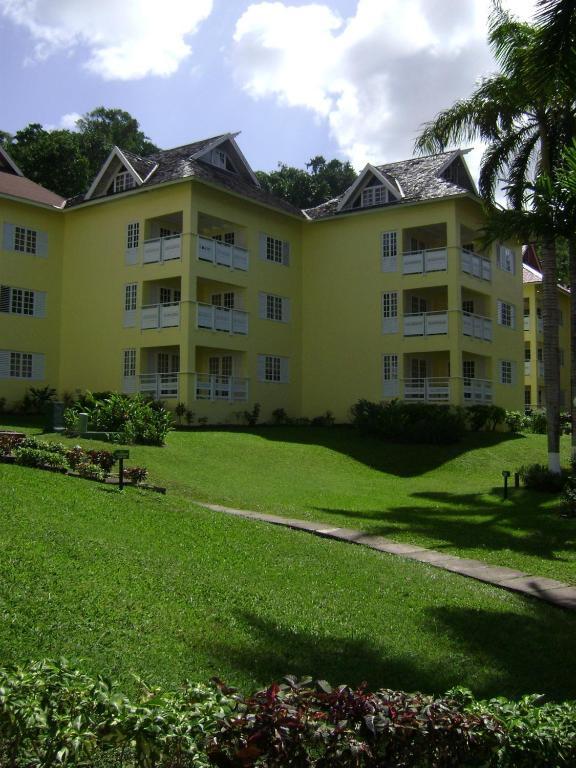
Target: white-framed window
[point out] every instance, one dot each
(273, 368)
(390, 312)
(227, 237)
(20, 365)
(505, 259)
(527, 353)
(273, 249)
(25, 240)
(130, 295)
(273, 307)
(129, 366)
(418, 305)
(22, 301)
(506, 314)
(469, 369)
(133, 235)
(468, 306)
(220, 366)
(226, 299)
(123, 181)
(389, 243)
(506, 371)
(390, 375)
(375, 195)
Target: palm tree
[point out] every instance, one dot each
(524, 129)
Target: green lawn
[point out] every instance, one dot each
(156, 586)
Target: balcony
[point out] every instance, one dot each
(212, 387)
(426, 324)
(477, 391)
(477, 326)
(222, 254)
(475, 265)
(162, 249)
(421, 262)
(430, 390)
(160, 386)
(160, 315)
(222, 319)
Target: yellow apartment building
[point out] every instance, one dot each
(178, 276)
(534, 394)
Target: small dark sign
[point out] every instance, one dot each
(55, 417)
(122, 454)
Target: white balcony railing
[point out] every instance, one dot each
(160, 385)
(428, 260)
(160, 315)
(526, 322)
(162, 249)
(211, 387)
(222, 319)
(477, 391)
(527, 367)
(539, 368)
(426, 324)
(476, 265)
(431, 390)
(223, 254)
(477, 326)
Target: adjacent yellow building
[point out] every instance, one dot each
(178, 276)
(534, 392)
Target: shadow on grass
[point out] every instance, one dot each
(402, 460)
(494, 653)
(522, 523)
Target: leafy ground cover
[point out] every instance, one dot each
(137, 583)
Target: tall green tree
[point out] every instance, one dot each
(524, 128)
(54, 159)
(102, 129)
(321, 181)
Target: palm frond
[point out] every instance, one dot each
(523, 166)
(499, 157)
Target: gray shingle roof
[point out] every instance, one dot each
(418, 178)
(175, 164)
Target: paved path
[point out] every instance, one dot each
(550, 590)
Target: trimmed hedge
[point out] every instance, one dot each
(410, 422)
(52, 715)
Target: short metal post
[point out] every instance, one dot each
(121, 474)
(506, 475)
(516, 479)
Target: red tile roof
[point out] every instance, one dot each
(18, 186)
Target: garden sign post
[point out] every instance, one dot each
(120, 456)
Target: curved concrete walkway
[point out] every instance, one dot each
(549, 590)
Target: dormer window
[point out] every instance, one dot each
(376, 195)
(123, 181)
(221, 159)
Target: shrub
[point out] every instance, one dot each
(249, 417)
(410, 422)
(136, 474)
(103, 459)
(90, 471)
(189, 416)
(537, 422)
(538, 477)
(2, 404)
(75, 456)
(180, 411)
(325, 420)
(279, 416)
(566, 423)
(515, 421)
(8, 443)
(71, 420)
(484, 417)
(36, 457)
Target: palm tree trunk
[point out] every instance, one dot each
(551, 352)
(572, 273)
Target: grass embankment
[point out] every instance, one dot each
(151, 585)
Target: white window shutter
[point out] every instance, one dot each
(4, 298)
(4, 364)
(499, 256)
(286, 310)
(286, 253)
(284, 370)
(262, 306)
(499, 311)
(39, 303)
(38, 367)
(42, 244)
(512, 316)
(131, 257)
(513, 371)
(261, 368)
(262, 246)
(8, 239)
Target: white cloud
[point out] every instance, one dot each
(376, 76)
(126, 39)
(69, 120)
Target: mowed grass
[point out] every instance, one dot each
(444, 497)
(135, 583)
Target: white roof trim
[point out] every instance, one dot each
(10, 162)
(458, 153)
(116, 152)
(370, 169)
(231, 137)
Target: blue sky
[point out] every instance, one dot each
(344, 78)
